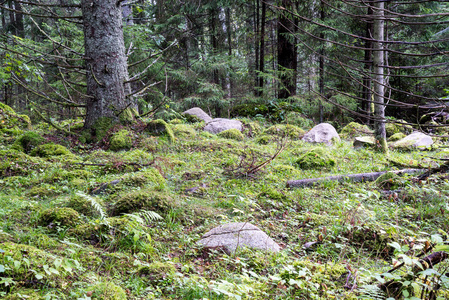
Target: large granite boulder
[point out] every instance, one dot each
(198, 113)
(218, 125)
(232, 236)
(322, 133)
(413, 141)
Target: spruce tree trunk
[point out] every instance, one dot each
(106, 63)
(286, 53)
(379, 83)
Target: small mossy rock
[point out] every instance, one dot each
(196, 114)
(142, 199)
(49, 150)
(354, 129)
(233, 134)
(233, 236)
(316, 159)
(157, 271)
(63, 216)
(43, 191)
(272, 194)
(399, 126)
(252, 128)
(144, 177)
(13, 162)
(107, 291)
(416, 140)
(121, 140)
(322, 133)
(396, 137)
(11, 122)
(160, 128)
(183, 131)
(286, 170)
(28, 141)
(291, 131)
(389, 181)
(176, 121)
(220, 124)
(364, 141)
(101, 127)
(264, 139)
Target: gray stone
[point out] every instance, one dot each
(413, 141)
(364, 141)
(218, 125)
(199, 113)
(322, 133)
(237, 235)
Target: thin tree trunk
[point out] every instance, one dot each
(379, 83)
(262, 50)
(106, 63)
(366, 89)
(321, 83)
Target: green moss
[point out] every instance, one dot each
(249, 110)
(14, 163)
(297, 119)
(233, 134)
(145, 177)
(121, 140)
(291, 131)
(176, 121)
(6, 108)
(107, 291)
(137, 156)
(160, 128)
(252, 128)
(316, 158)
(101, 127)
(128, 115)
(396, 137)
(389, 181)
(264, 139)
(28, 141)
(355, 129)
(183, 131)
(62, 216)
(157, 271)
(42, 191)
(48, 150)
(142, 199)
(399, 126)
(83, 206)
(272, 194)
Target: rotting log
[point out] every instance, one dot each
(361, 177)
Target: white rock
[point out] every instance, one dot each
(321, 133)
(218, 125)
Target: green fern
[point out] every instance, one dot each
(95, 205)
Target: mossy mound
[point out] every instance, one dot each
(252, 128)
(160, 128)
(49, 150)
(121, 140)
(12, 123)
(84, 205)
(28, 141)
(14, 163)
(249, 110)
(145, 177)
(291, 131)
(272, 194)
(399, 126)
(107, 291)
(62, 216)
(176, 121)
(389, 181)
(316, 158)
(142, 199)
(264, 139)
(100, 128)
(396, 137)
(233, 134)
(157, 271)
(43, 191)
(354, 129)
(297, 119)
(183, 131)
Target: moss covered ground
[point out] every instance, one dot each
(83, 221)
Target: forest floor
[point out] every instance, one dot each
(93, 223)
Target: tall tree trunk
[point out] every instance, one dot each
(229, 38)
(287, 61)
(379, 83)
(366, 88)
(260, 81)
(106, 64)
(213, 20)
(256, 46)
(321, 81)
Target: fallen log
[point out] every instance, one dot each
(361, 177)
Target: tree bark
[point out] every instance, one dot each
(106, 63)
(379, 83)
(287, 61)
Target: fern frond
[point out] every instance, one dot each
(150, 216)
(95, 205)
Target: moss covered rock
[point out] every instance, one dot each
(160, 128)
(292, 131)
(42, 191)
(396, 137)
(121, 140)
(389, 181)
(28, 141)
(399, 126)
(84, 205)
(316, 158)
(233, 134)
(183, 131)
(354, 129)
(12, 123)
(107, 291)
(157, 271)
(62, 216)
(49, 150)
(264, 139)
(142, 199)
(14, 163)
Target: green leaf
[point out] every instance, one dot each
(2, 268)
(444, 248)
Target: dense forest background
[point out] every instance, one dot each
(235, 58)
